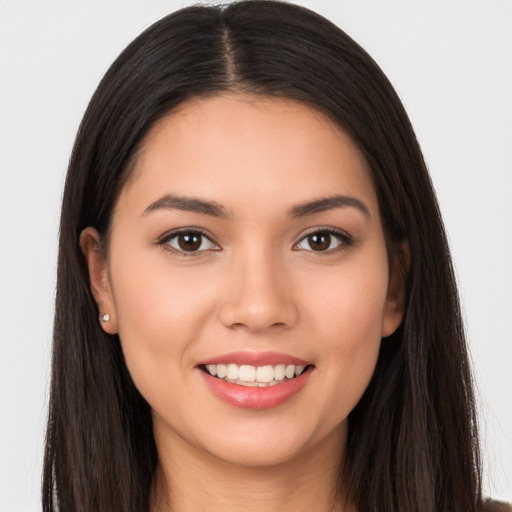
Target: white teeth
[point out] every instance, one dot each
(233, 371)
(245, 383)
(221, 371)
(290, 371)
(265, 374)
(247, 375)
(279, 372)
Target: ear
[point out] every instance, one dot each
(394, 308)
(99, 278)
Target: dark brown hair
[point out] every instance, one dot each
(412, 442)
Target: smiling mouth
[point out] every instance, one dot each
(254, 376)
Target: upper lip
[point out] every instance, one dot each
(255, 359)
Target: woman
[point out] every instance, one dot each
(248, 214)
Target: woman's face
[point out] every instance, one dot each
(248, 241)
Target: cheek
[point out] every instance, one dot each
(160, 315)
(346, 312)
(151, 295)
(348, 302)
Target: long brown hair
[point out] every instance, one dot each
(412, 441)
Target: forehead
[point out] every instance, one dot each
(254, 148)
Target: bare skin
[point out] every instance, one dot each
(307, 483)
(249, 226)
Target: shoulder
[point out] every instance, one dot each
(496, 506)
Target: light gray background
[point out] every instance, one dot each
(451, 62)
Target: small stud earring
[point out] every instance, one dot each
(105, 317)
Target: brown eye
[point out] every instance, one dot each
(319, 241)
(190, 241)
(324, 241)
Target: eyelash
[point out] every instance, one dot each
(345, 241)
(164, 241)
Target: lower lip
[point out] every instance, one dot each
(256, 397)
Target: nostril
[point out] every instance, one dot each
(247, 314)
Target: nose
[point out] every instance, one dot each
(259, 296)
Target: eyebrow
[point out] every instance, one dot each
(187, 204)
(328, 203)
(214, 209)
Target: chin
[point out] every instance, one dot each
(258, 456)
(267, 447)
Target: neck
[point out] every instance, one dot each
(188, 480)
